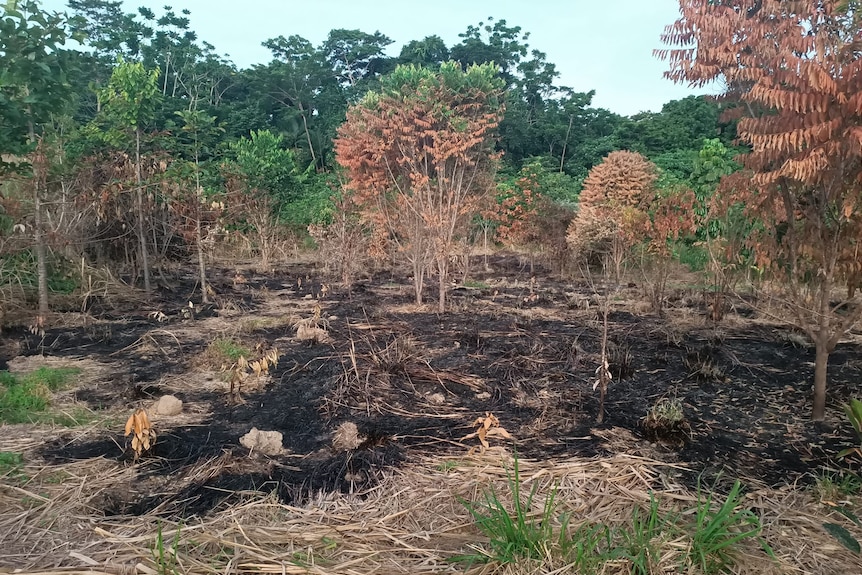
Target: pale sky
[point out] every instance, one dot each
(601, 46)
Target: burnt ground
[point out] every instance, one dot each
(414, 382)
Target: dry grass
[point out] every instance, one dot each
(412, 522)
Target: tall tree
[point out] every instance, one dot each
(299, 80)
(423, 148)
(796, 68)
(429, 52)
(130, 102)
(33, 87)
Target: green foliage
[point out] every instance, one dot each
(853, 411)
(229, 350)
(130, 100)
(267, 168)
(718, 530)
(514, 535)
(10, 463)
(34, 84)
(831, 486)
(843, 536)
(22, 399)
(19, 269)
(640, 538)
(165, 557)
(693, 255)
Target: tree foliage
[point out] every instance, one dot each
(796, 68)
(612, 209)
(419, 154)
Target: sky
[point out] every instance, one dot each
(602, 46)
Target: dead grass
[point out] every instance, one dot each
(412, 522)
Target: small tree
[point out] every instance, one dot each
(262, 180)
(419, 156)
(670, 218)
(198, 209)
(796, 68)
(612, 207)
(130, 101)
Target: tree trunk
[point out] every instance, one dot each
(139, 197)
(821, 362)
(202, 265)
(41, 257)
(442, 272)
(39, 177)
(418, 280)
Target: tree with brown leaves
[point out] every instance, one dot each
(419, 156)
(612, 207)
(795, 67)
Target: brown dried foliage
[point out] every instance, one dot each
(419, 166)
(795, 67)
(612, 211)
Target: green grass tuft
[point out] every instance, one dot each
(229, 350)
(24, 399)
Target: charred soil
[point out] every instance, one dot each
(414, 382)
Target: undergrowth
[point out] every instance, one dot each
(26, 398)
(702, 539)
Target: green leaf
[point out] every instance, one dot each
(843, 536)
(848, 514)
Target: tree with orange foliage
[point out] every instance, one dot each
(795, 66)
(419, 157)
(612, 210)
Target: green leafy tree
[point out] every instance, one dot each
(262, 181)
(129, 102)
(429, 52)
(356, 57)
(493, 42)
(300, 82)
(33, 88)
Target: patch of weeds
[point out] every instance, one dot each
(666, 421)
(639, 541)
(514, 535)
(703, 365)
(165, 553)
(475, 284)
(224, 350)
(314, 557)
(588, 548)
(10, 463)
(620, 361)
(831, 486)
(24, 398)
(447, 465)
(251, 325)
(719, 528)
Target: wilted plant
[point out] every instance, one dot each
(240, 370)
(488, 426)
(143, 435)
